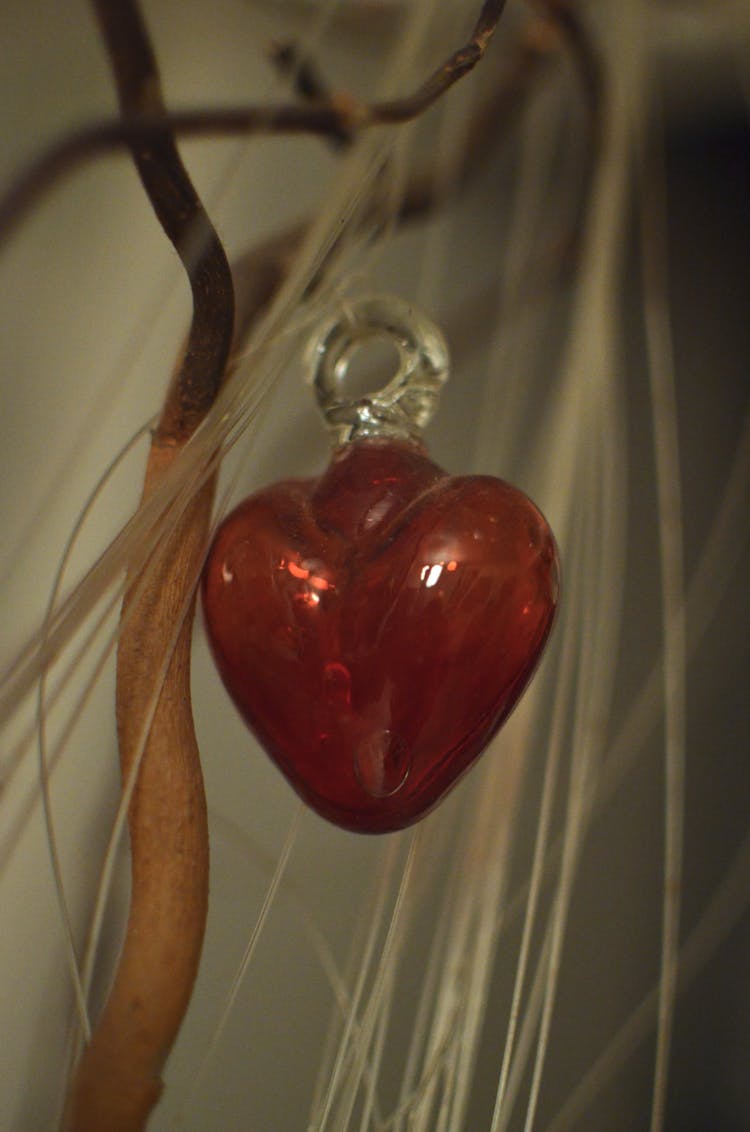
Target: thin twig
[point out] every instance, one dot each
(306, 80)
(562, 18)
(577, 40)
(183, 218)
(342, 115)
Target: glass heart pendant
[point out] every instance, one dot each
(377, 624)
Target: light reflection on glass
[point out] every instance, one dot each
(430, 573)
(315, 582)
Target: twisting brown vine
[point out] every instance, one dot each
(118, 1080)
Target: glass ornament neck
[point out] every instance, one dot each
(402, 407)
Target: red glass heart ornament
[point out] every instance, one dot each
(375, 626)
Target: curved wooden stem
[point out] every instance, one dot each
(183, 218)
(118, 1080)
(119, 1077)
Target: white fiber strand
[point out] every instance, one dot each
(653, 207)
(239, 975)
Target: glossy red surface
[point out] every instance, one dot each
(375, 626)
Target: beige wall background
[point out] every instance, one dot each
(93, 310)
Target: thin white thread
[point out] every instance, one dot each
(242, 969)
(659, 351)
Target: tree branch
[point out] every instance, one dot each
(181, 215)
(143, 128)
(306, 81)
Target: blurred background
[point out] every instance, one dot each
(594, 298)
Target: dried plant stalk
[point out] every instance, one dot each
(118, 1081)
(119, 1078)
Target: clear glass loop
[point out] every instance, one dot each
(405, 404)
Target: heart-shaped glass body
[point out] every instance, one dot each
(376, 625)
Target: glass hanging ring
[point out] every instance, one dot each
(406, 403)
